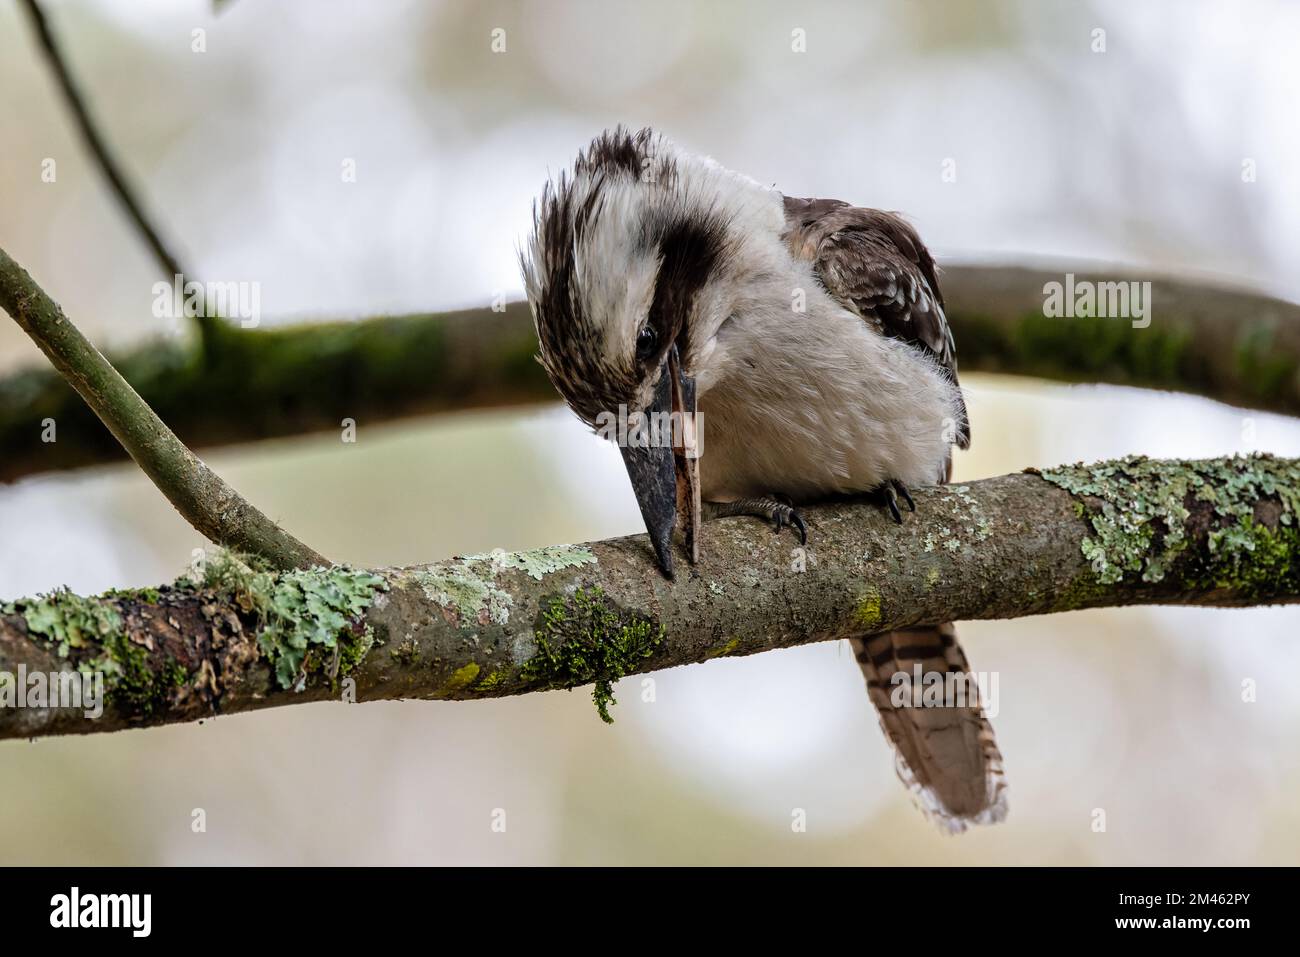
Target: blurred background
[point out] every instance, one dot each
(1133, 155)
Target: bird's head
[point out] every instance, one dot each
(621, 250)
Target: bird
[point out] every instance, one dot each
(810, 336)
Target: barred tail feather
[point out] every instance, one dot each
(946, 755)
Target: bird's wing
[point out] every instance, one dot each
(875, 265)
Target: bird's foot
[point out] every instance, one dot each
(889, 492)
(780, 514)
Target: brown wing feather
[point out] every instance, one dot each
(876, 266)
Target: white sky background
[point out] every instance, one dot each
(1132, 156)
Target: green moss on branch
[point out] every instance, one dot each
(584, 638)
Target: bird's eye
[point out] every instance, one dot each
(646, 343)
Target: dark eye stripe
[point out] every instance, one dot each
(690, 248)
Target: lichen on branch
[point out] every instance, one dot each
(307, 620)
(1145, 515)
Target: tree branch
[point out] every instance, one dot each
(1224, 343)
(1222, 532)
(267, 383)
(1234, 346)
(199, 494)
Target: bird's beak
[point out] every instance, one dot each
(664, 466)
(686, 453)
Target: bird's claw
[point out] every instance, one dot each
(779, 513)
(890, 491)
(891, 499)
(902, 490)
(783, 515)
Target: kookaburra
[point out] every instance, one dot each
(809, 337)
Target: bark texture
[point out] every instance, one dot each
(1134, 531)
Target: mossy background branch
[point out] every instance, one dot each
(1230, 345)
(1218, 532)
(199, 494)
(265, 383)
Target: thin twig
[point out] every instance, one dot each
(103, 156)
(199, 494)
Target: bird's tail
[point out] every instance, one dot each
(943, 743)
